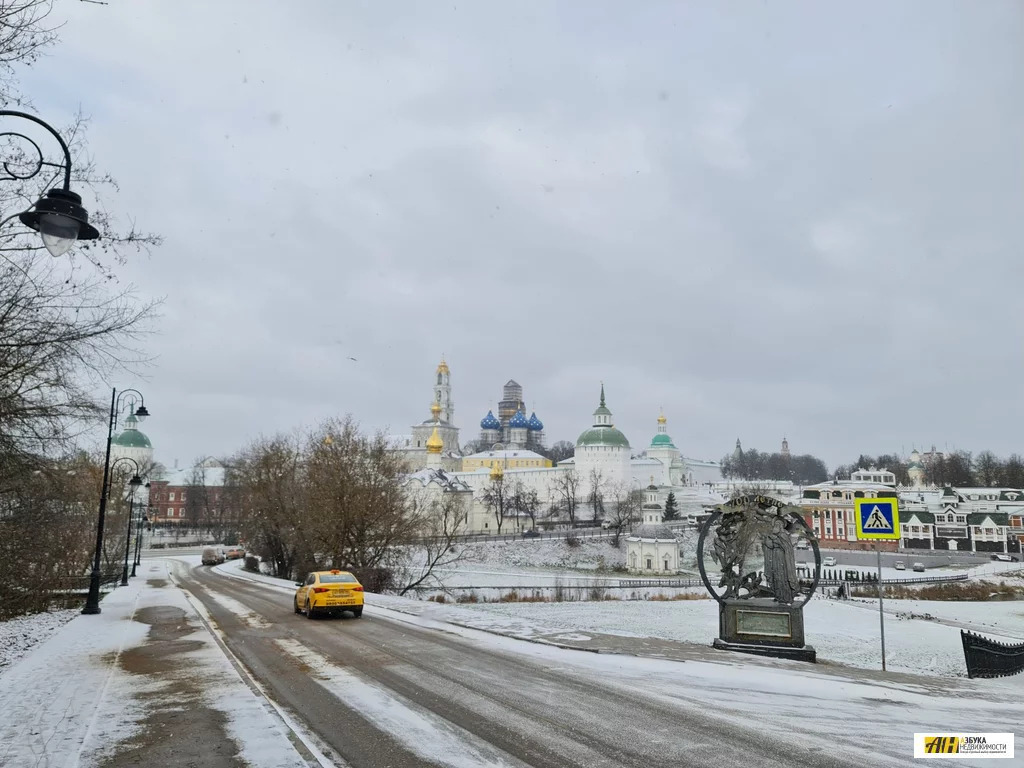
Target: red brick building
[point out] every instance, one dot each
(188, 496)
(829, 508)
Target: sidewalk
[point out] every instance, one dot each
(143, 682)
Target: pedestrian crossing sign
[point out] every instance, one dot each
(877, 518)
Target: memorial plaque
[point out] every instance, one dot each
(767, 623)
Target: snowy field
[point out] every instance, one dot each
(841, 632)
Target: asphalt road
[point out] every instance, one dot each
(863, 558)
(507, 709)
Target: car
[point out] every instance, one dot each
(606, 524)
(802, 544)
(235, 553)
(329, 592)
(900, 565)
(918, 567)
(531, 534)
(829, 561)
(1003, 558)
(212, 556)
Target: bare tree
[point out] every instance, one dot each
(65, 326)
(566, 488)
(595, 494)
(47, 532)
(497, 497)
(525, 502)
(441, 518)
(266, 490)
(627, 504)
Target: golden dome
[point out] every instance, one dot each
(661, 418)
(434, 442)
(435, 410)
(496, 472)
(442, 367)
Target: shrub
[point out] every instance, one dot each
(437, 599)
(679, 596)
(948, 591)
(469, 597)
(252, 563)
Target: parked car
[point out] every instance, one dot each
(531, 534)
(606, 524)
(829, 561)
(235, 553)
(919, 567)
(802, 544)
(1002, 558)
(212, 556)
(900, 565)
(329, 592)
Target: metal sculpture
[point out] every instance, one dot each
(752, 541)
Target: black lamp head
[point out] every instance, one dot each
(60, 218)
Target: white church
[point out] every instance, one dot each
(603, 456)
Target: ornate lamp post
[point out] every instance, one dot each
(134, 483)
(92, 602)
(143, 518)
(58, 216)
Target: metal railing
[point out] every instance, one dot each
(990, 658)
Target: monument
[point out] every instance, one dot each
(750, 545)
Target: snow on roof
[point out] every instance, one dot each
(506, 454)
(186, 476)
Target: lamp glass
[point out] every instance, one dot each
(58, 246)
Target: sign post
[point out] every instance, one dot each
(878, 519)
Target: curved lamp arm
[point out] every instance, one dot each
(53, 132)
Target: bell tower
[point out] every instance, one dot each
(443, 392)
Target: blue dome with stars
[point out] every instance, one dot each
(519, 421)
(489, 422)
(535, 424)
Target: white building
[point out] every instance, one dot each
(132, 444)
(652, 547)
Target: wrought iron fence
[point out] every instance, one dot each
(991, 658)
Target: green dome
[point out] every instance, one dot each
(662, 440)
(602, 435)
(132, 438)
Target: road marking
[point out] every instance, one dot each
(423, 733)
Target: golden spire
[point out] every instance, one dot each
(496, 471)
(661, 416)
(442, 367)
(435, 410)
(434, 442)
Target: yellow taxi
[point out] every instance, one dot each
(329, 592)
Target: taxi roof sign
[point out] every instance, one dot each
(877, 518)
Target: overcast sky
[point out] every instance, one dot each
(776, 218)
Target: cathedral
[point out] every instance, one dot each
(511, 428)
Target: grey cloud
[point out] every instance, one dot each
(792, 219)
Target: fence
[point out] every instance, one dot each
(990, 658)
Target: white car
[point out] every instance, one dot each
(829, 561)
(900, 565)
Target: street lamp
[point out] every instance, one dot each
(134, 483)
(58, 216)
(92, 602)
(143, 518)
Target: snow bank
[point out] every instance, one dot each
(19, 635)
